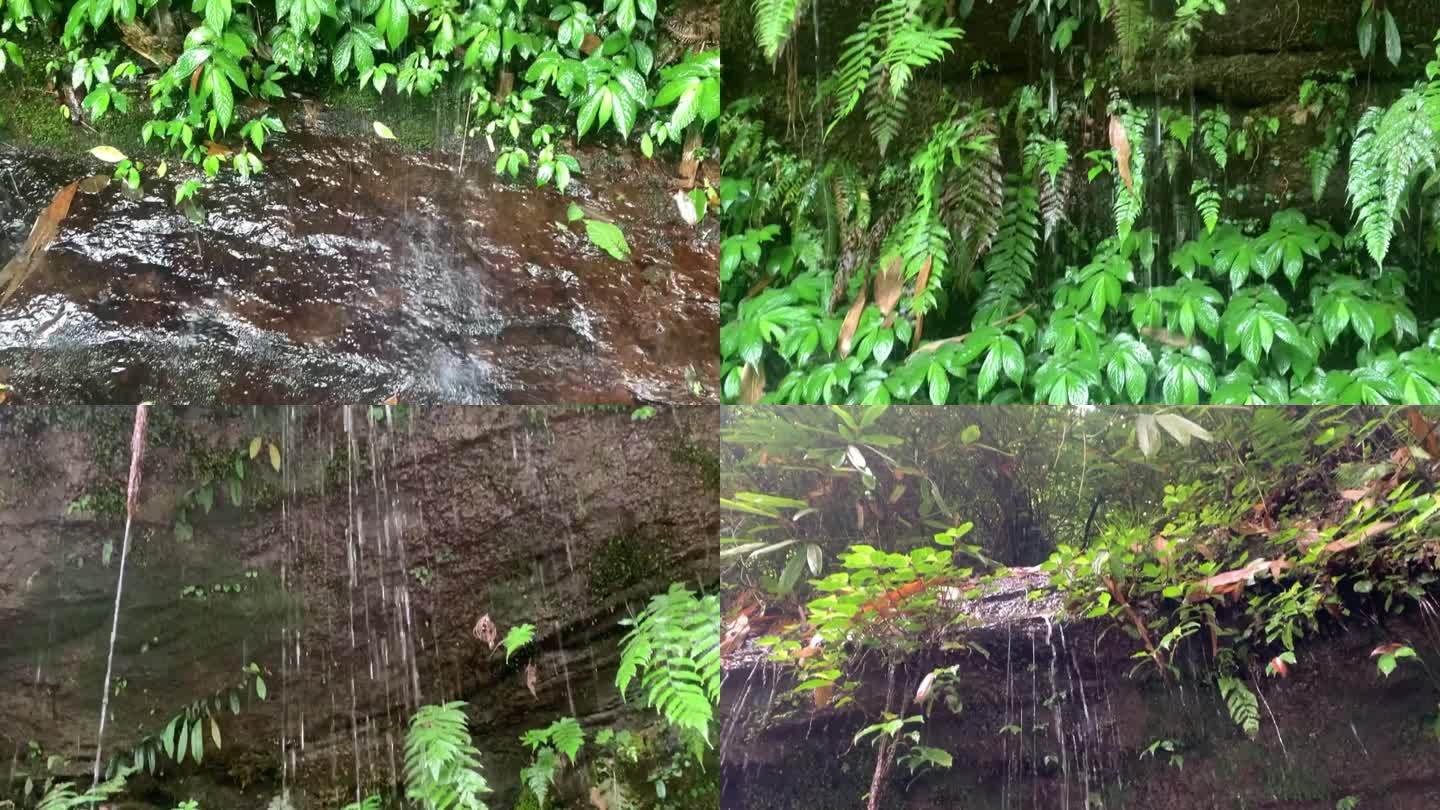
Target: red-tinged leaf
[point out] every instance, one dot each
(1356, 538)
(1386, 649)
(1280, 667)
(1120, 142)
(852, 322)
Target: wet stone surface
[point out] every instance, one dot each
(351, 271)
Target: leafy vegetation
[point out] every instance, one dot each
(594, 68)
(881, 557)
(963, 257)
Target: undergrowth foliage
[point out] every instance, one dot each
(210, 69)
(1066, 245)
(442, 766)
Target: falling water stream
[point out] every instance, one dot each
(372, 544)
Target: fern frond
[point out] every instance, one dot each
(1321, 161)
(1215, 135)
(674, 648)
(1244, 709)
(1392, 147)
(775, 22)
(1010, 265)
(64, 797)
(885, 111)
(1055, 199)
(852, 73)
(442, 766)
(1132, 27)
(975, 192)
(1048, 155)
(1207, 203)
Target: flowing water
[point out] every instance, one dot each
(350, 270)
(350, 572)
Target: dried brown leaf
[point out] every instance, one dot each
(752, 384)
(532, 679)
(887, 285)
(485, 631)
(1120, 142)
(852, 322)
(42, 233)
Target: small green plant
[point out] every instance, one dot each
(673, 648)
(63, 796)
(442, 765)
(562, 738)
(1171, 748)
(517, 637)
(1388, 656)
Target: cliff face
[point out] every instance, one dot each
(1056, 714)
(352, 575)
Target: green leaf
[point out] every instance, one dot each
(516, 638)
(608, 238)
(383, 131)
(260, 690)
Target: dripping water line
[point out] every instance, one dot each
(137, 454)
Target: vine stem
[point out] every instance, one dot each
(1119, 596)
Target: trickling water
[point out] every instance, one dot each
(137, 454)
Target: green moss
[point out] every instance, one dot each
(30, 114)
(527, 800)
(623, 561)
(702, 457)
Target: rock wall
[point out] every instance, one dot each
(1059, 715)
(358, 571)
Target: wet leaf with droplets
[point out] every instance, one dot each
(108, 154)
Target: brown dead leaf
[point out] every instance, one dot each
(735, 634)
(1165, 336)
(217, 149)
(1354, 494)
(484, 630)
(1356, 538)
(1386, 649)
(532, 679)
(922, 282)
(597, 799)
(1424, 431)
(852, 322)
(887, 288)
(195, 78)
(590, 43)
(31, 253)
(752, 384)
(503, 86)
(1232, 583)
(823, 694)
(1120, 142)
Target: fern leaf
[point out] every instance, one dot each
(1215, 135)
(674, 648)
(1054, 199)
(1207, 203)
(518, 637)
(1244, 709)
(775, 22)
(885, 111)
(1322, 160)
(1010, 265)
(1392, 147)
(442, 766)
